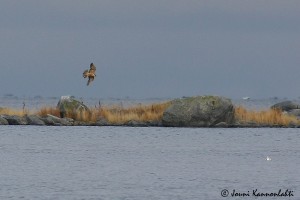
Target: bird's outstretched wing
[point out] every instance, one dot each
(92, 68)
(85, 73)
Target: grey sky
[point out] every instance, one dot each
(142, 49)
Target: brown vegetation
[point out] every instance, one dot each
(264, 117)
(154, 112)
(9, 111)
(141, 113)
(48, 110)
(114, 114)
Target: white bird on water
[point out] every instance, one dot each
(246, 98)
(268, 158)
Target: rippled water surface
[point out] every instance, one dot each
(146, 163)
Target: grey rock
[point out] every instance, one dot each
(134, 123)
(294, 112)
(48, 121)
(70, 104)
(57, 124)
(70, 120)
(154, 123)
(80, 123)
(66, 122)
(246, 125)
(54, 118)
(102, 122)
(15, 120)
(201, 111)
(238, 125)
(286, 106)
(3, 121)
(35, 120)
(61, 121)
(292, 125)
(221, 125)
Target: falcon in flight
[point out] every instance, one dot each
(90, 73)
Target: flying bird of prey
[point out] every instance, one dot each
(90, 73)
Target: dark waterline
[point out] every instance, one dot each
(145, 163)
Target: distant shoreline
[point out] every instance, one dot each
(138, 116)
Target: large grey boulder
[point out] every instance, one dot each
(3, 121)
(286, 106)
(201, 111)
(70, 104)
(15, 120)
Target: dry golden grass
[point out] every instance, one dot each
(80, 116)
(141, 113)
(113, 114)
(10, 111)
(48, 110)
(267, 117)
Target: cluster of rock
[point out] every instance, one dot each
(51, 120)
(33, 120)
(201, 111)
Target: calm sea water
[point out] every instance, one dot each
(146, 163)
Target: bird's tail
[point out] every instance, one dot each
(91, 78)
